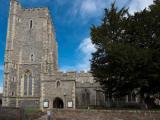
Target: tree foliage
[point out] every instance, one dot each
(128, 51)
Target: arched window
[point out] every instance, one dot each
(46, 66)
(58, 84)
(12, 93)
(30, 24)
(86, 97)
(133, 97)
(27, 83)
(32, 57)
(30, 85)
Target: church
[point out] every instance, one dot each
(31, 76)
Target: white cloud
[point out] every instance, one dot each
(88, 8)
(137, 5)
(85, 48)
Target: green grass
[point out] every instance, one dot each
(33, 112)
(30, 111)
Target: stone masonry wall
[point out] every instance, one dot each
(105, 115)
(65, 90)
(88, 91)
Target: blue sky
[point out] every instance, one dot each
(72, 20)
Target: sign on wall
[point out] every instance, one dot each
(70, 104)
(46, 104)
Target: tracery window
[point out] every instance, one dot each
(27, 83)
(30, 85)
(11, 93)
(86, 97)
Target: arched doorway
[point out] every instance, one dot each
(58, 103)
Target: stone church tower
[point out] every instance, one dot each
(31, 51)
(31, 76)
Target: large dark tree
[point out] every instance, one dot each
(128, 51)
(108, 38)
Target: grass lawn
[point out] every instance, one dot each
(33, 113)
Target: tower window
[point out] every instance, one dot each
(13, 79)
(12, 93)
(30, 24)
(32, 58)
(27, 83)
(58, 84)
